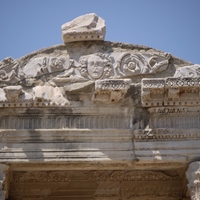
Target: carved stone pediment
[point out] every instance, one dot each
(99, 120)
(50, 73)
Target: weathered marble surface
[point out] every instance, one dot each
(188, 71)
(128, 113)
(52, 71)
(193, 177)
(98, 184)
(84, 28)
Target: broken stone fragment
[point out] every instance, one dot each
(53, 95)
(12, 92)
(84, 28)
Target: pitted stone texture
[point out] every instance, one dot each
(84, 28)
(12, 92)
(111, 90)
(193, 176)
(188, 71)
(3, 182)
(53, 95)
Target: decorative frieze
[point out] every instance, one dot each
(95, 175)
(111, 90)
(41, 176)
(153, 92)
(131, 176)
(64, 122)
(175, 92)
(179, 118)
(166, 134)
(96, 184)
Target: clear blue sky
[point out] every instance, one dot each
(168, 25)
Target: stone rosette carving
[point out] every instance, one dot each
(87, 67)
(137, 64)
(84, 28)
(111, 66)
(49, 73)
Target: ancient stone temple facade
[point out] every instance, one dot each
(97, 120)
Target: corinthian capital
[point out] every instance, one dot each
(3, 188)
(193, 177)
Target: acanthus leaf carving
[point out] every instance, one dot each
(50, 72)
(9, 68)
(192, 71)
(193, 176)
(3, 182)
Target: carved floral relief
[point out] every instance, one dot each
(9, 71)
(46, 73)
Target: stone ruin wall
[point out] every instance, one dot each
(116, 113)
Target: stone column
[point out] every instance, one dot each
(3, 171)
(193, 177)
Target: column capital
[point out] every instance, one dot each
(3, 187)
(193, 177)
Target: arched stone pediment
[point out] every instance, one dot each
(102, 120)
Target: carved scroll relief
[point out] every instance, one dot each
(41, 79)
(112, 66)
(9, 71)
(88, 67)
(188, 71)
